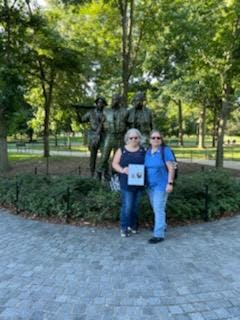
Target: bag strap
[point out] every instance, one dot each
(162, 151)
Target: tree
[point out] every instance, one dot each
(51, 57)
(219, 53)
(13, 25)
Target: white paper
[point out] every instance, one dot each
(136, 175)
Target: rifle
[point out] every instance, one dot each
(82, 106)
(80, 109)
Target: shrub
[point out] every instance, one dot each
(88, 199)
(188, 200)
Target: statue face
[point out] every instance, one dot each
(138, 102)
(116, 100)
(100, 104)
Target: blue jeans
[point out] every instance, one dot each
(158, 200)
(129, 209)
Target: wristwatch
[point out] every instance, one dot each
(171, 183)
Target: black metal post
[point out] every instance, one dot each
(67, 205)
(47, 165)
(79, 170)
(206, 217)
(35, 170)
(17, 197)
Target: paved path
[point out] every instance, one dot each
(226, 164)
(63, 272)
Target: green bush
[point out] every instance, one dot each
(94, 202)
(187, 202)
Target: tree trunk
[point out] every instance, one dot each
(4, 164)
(201, 132)
(214, 128)
(221, 130)
(69, 145)
(47, 93)
(126, 8)
(56, 139)
(46, 152)
(125, 57)
(180, 123)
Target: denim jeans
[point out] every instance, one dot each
(129, 209)
(158, 200)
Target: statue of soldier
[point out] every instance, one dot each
(96, 134)
(140, 117)
(115, 126)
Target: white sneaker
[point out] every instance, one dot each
(133, 231)
(124, 233)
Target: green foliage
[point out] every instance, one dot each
(92, 201)
(188, 199)
(105, 206)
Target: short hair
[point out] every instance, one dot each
(130, 131)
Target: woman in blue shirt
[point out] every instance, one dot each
(159, 176)
(131, 153)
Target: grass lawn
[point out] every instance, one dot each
(13, 157)
(230, 153)
(189, 151)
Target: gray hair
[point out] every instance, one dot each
(159, 132)
(155, 131)
(133, 131)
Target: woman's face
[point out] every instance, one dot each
(155, 139)
(133, 140)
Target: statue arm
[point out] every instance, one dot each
(79, 109)
(85, 117)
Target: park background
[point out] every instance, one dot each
(183, 54)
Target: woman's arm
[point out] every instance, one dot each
(116, 163)
(171, 173)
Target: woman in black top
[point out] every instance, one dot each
(131, 153)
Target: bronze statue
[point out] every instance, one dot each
(108, 126)
(96, 133)
(115, 126)
(140, 117)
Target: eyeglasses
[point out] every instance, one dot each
(131, 138)
(158, 138)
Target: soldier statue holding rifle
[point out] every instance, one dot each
(96, 132)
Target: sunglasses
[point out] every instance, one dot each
(158, 138)
(131, 138)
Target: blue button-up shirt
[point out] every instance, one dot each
(156, 171)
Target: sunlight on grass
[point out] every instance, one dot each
(23, 156)
(230, 153)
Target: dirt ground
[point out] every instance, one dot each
(78, 166)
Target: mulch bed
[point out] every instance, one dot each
(77, 165)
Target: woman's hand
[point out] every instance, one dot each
(116, 163)
(125, 170)
(169, 188)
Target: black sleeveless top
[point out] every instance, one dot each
(130, 157)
